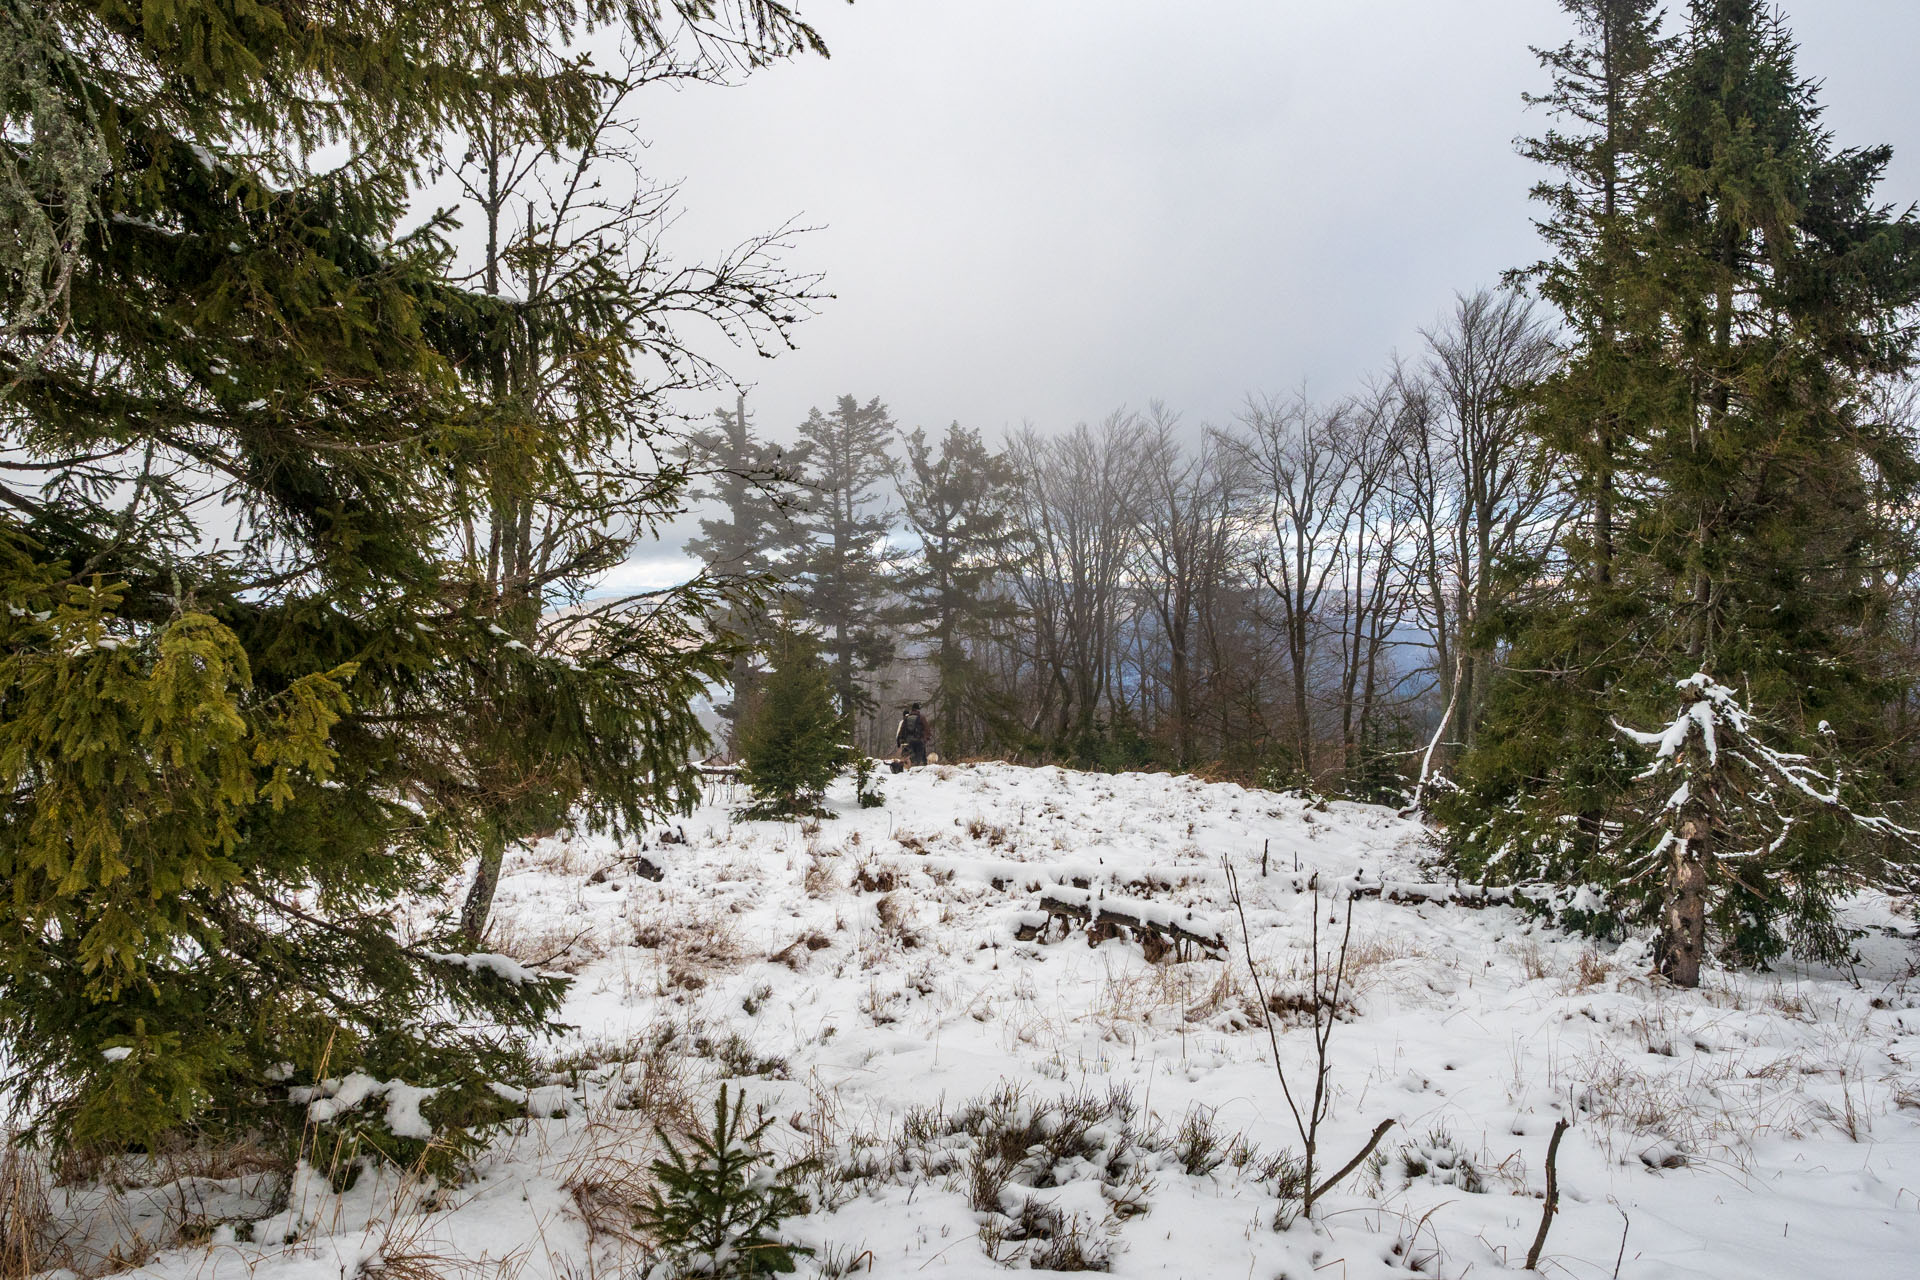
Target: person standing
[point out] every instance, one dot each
(912, 737)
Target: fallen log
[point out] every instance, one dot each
(1160, 930)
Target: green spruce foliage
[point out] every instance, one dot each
(1747, 834)
(794, 744)
(750, 539)
(959, 504)
(253, 693)
(717, 1206)
(840, 579)
(1733, 306)
(1548, 766)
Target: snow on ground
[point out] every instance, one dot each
(866, 981)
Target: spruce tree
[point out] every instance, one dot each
(250, 696)
(842, 573)
(959, 504)
(568, 455)
(1763, 295)
(753, 484)
(1547, 749)
(752, 537)
(1600, 88)
(716, 1208)
(1744, 831)
(793, 742)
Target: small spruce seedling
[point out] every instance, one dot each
(716, 1211)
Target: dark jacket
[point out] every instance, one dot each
(913, 728)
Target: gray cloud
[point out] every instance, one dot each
(1046, 208)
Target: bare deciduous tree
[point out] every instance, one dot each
(1078, 500)
(593, 340)
(1300, 465)
(1374, 583)
(1190, 535)
(1483, 500)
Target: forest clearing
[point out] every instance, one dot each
(861, 980)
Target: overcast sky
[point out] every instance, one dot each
(1044, 209)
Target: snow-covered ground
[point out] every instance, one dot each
(889, 985)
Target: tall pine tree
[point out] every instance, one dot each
(752, 536)
(250, 694)
(959, 504)
(1763, 292)
(842, 573)
(1547, 750)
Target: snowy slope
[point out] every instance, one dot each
(865, 979)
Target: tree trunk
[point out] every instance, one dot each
(486, 878)
(1302, 716)
(1684, 939)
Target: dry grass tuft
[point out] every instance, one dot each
(1201, 993)
(1372, 959)
(870, 875)
(26, 1226)
(691, 948)
(1590, 970)
(994, 834)
(796, 953)
(655, 1084)
(819, 878)
(607, 1175)
(1792, 1003)
(1703, 1104)
(551, 854)
(1535, 963)
(554, 944)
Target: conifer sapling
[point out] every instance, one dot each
(719, 1204)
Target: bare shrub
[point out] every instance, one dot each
(1326, 988)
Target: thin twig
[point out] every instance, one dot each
(1553, 1199)
(1379, 1132)
(1259, 989)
